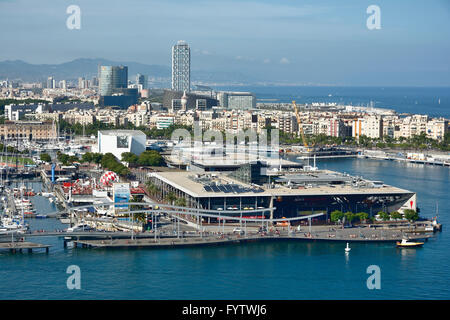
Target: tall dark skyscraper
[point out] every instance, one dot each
(112, 77)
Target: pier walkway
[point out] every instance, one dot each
(368, 237)
(14, 247)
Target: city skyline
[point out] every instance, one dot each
(304, 43)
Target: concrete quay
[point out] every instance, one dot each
(368, 236)
(15, 247)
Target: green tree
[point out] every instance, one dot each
(411, 215)
(97, 158)
(63, 158)
(45, 157)
(396, 215)
(336, 215)
(349, 216)
(152, 188)
(384, 215)
(129, 157)
(180, 202)
(109, 161)
(87, 157)
(363, 216)
(171, 197)
(73, 159)
(150, 158)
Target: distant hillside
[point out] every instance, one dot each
(18, 69)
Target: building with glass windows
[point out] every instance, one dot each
(112, 77)
(172, 101)
(290, 194)
(181, 67)
(237, 100)
(141, 81)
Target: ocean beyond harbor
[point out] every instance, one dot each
(433, 101)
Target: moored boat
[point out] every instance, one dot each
(405, 243)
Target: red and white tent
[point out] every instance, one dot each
(108, 178)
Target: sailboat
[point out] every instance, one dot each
(347, 249)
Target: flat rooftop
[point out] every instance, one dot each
(119, 132)
(231, 159)
(194, 185)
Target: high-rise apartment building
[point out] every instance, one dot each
(112, 77)
(141, 81)
(51, 83)
(181, 67)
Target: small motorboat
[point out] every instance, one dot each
(405, 243)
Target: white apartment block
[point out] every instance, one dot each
(437, 128)
(373, 127)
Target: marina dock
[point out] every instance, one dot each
(406, 160)
(14, 247)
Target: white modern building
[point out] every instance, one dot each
(120, 141)
(181, 67)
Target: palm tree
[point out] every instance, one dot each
(180, 202)
(171, 197)
(152, 188)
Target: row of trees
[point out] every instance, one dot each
(107, 161)
(45, 157)
(408, 214)
(350, 217)
(421, 142)
(170, 198)
(92, 129)
(415, 142)
(146, 158)
(152, 188)
(11, 149)
(110, 162)
(65, 159)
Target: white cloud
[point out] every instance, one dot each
(266, 60)
(284, 61)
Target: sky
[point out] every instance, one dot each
(315, 42)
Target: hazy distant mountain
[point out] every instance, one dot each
(18, 69)
(72, 70)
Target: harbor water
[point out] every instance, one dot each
(277, 270)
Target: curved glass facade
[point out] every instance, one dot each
(112, 77)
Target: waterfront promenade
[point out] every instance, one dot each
(335, 235)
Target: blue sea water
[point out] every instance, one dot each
(285, 270)
(422, 100)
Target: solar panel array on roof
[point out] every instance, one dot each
(230, 188)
